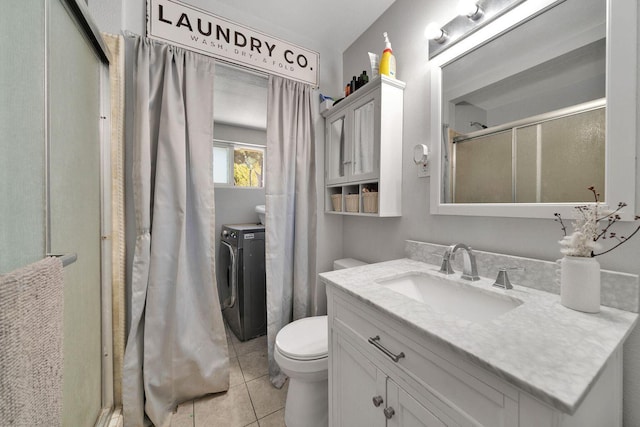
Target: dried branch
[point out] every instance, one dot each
(562, 226)
(621, 241)
(586, 230)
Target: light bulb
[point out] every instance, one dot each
(434, 32)
(466, 7)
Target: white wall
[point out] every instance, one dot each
(465, 115)
(372, 239)
(234, 133)
(107, 14)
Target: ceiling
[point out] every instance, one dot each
(239, 98)
(338, 23)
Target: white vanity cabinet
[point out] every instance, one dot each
(363, 150)
(366, 396)
(382, 373)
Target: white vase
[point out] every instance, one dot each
(580, 283)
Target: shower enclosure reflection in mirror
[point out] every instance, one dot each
(511, 92)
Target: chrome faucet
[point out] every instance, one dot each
(469, 270)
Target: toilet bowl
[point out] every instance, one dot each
(301, 351)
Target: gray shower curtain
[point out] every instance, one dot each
(176, 349)
(291, 209)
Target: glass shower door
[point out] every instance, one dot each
(50, 166)
(22, 130)
(75, 207)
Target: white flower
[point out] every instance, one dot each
(577, 244)
(583, 241)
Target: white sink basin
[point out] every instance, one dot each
(260, 210)
(451, 297)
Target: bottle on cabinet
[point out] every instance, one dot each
(364, 78)
(388, 61)
(356, 83)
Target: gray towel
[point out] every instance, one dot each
(31, 352)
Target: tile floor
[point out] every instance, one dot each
(251, 399)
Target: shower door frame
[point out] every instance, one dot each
(89, 30)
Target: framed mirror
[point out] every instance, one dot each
(535, 107)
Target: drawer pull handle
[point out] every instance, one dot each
(375, 341)
(389, 412)
(377, 401)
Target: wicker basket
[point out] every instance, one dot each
(352, 201)
(336, 202)
(370, 202)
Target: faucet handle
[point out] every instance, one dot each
(502, 281)
(445, 267)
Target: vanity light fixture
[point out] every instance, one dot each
(471, 15)
(470, 9)
(435, 33)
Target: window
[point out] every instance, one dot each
(239, 165)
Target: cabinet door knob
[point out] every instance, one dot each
(389, 412)
(377, 401)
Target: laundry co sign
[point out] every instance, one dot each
(192, 28)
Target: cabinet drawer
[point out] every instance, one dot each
(469, 400)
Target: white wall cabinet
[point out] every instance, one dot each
(408, 380)
(363, 146)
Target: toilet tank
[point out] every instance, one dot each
(339, 264)
(320, 298)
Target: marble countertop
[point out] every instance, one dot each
(552, 352)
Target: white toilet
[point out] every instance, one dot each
(301, 351)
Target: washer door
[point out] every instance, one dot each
(228, 283)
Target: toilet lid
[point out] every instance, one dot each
(304, 339)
